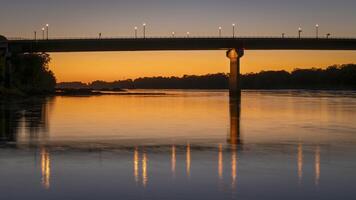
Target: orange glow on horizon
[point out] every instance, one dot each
(110, 66)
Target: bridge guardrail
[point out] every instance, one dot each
(177, 37)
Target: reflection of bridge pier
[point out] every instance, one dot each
(235, 112)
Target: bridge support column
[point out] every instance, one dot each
(234, 80)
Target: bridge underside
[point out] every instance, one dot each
(163, 44)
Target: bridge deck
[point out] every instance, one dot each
(155, 44)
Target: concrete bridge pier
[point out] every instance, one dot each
(234, 80)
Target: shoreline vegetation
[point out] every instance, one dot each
(30, 76)
(336, 77)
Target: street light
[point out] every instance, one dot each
(135, 31)
(47, 27)
(233, 30)
(188, 34)
(220, 31)
(173, 34)
(299, 32)
(35, 34)
(144, 30)
(43, 33)
(317, 30)
(328, 35)
(283, 34)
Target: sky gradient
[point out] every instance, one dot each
(117, 18)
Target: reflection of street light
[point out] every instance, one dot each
(299, 32)
(188, 34)
(317, 30)
(220, 31)
(233, 30)
(135, 31)
(42, 33)
(47, 27)
(144, 30)
(328, 35)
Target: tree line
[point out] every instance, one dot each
(333, 77)
(29, 74)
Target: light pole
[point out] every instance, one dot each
(47, 29)
(317, 31)
(283, 34)
(328, 35)
(188, 34)
(35, 34)
(43, 33)
(299, 32)
(135, 32)
(220, 31)
(144, 30)
(233, 30)
(173, 33)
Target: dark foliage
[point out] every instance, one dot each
(30, 73)
(334, 77)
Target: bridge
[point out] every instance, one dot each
(235, 47)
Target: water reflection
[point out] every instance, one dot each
(317, 165)
(173, 160)
(144, 169)
(220, 162)
(233, 165)
(136, 160)
(235, 112)
(45, 167)
(188, 160)
(300, 163)
(30, 114)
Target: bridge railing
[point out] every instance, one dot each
(176, 37)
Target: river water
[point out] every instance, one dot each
(183, 144)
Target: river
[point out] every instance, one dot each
(184, 144)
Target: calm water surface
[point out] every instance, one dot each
(182, 145)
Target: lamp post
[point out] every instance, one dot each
(35, 35)
(233, 30)
(283, 35)
(220, 31)
(188, 34)
(173, 33)
(317, 31)
(144, 30)
(43, 33)
(135, 32)
(299, 32)
(47, 29)
(328, 35)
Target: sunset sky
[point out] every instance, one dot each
(115, 18)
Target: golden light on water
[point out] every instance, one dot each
(300, 162)
(173, 160)
(220, 162)
(45, 168)
(233, 166)
(188, 159)
(136, 160)
(144, 170)
(317, 166)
